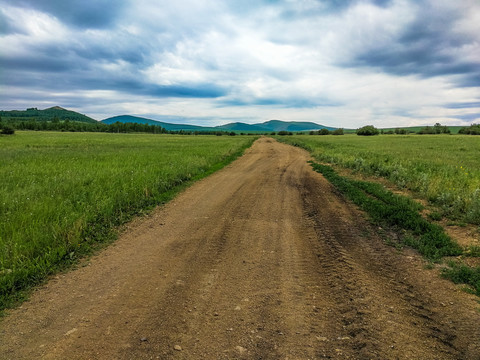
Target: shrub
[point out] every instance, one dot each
(474, 129)
(368, 130)
(463, 274)
(7, 130)
(436, 129)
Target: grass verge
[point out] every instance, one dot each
(463, 274)
(388, 209)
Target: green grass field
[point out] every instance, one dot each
(444, 169)
(62, 193)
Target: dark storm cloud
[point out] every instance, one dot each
(83, 14)
(135, 54)
(195, 91)
(39, 64)
(327, 7)
(58, 75)
(340, 5)
(463, 105)
(427, 47)
(468, 117)
(424, 61)
(112, 60)
(136, 87)
(473, 80)
(284, 102)
(59, 58)
(46, 59)
(8, 25)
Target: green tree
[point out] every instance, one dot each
(7, 130)
(368, 130)
(436, 129)
(473, 129)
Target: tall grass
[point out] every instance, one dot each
(63, 192)
(444, 169)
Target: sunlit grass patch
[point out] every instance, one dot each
(443, 169)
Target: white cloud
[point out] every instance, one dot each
(338, 64)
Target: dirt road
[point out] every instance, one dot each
(262, 260)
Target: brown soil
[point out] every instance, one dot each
(262, 260)
(464, 235)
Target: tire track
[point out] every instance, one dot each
(358, 265)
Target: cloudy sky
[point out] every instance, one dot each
(342, 63)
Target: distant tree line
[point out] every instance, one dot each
(55, 124)
(9, 125)
(397, 131)
(473, 129)
(435, 129)
(76, 126)
(327, 132)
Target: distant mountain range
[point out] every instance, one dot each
(268, 126)
(165, 125)
(62, 114)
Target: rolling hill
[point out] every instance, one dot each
(278, 125)
(268, 126)
(168, 126)
(239, 126)
(45, 115)
(414, 129)
(61, 114)
(57, 112)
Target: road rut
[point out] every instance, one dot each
(261, 260)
